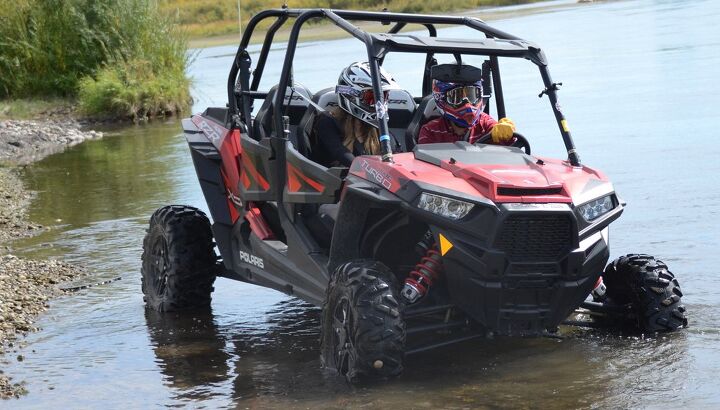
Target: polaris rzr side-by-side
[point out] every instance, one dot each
(427, 245)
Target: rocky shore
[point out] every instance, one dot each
(23, 142)
(26, 285)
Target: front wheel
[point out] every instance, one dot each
(653, 291)
(178, 260)
(363, 333)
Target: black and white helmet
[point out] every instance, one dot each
(355, 93)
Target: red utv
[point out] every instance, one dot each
(467, 239)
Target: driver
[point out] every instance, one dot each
(458, 93)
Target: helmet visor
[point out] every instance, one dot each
(458, 96)
(367, 97)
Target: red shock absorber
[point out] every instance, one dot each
(426, 272)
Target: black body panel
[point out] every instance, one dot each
(257, 166)
(527, 275)
(207, 167)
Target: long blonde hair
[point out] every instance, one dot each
(355, 129)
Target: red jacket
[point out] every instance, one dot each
(440, 130)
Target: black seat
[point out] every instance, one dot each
(401, 108)
(427, 110)
(294, 107)
(325, 99)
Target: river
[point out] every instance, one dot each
(641, 93)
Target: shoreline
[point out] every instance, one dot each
(27, 285)
(328, 31)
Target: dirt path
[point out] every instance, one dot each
(26, 285)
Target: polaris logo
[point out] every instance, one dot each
(252, 259)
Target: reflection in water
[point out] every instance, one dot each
(258, 348)
(274, 363)
(189, 349)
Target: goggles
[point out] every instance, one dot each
(458, 95)
(366, 96)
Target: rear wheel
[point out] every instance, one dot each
(363, 333)
(653, 291)
(178, 260)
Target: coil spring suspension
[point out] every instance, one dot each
(426, 272)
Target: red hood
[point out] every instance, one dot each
(511, 183)
(525, 179)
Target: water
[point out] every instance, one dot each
(640, 91)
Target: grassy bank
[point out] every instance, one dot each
(31, 108)
(121, 58)
(203, 19)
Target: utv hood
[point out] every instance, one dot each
(507, 174)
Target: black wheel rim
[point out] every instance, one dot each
(342, 331)
(160, 265)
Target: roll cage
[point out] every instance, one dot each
(242, 92)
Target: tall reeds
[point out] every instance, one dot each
(96, 49)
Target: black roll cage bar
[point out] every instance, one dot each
(378, 45)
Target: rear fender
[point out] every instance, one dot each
(209, 169)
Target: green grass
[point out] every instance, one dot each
(27, 108)
(66, 48)
(133, 90)
(208, 18)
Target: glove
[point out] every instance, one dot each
(503, 131)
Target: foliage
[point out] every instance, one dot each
(202, 18)
(133, 90)
(27, 108)
(51, 47)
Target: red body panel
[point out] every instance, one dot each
(228, 145)
(296, 180)
(554, 181)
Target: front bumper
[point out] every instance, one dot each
(529, 274)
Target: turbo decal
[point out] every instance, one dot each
(373, 174)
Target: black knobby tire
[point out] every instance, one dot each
(178, 260)
(650, 287)
(363, 332)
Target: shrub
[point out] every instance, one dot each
(51, 47)
(134, 90)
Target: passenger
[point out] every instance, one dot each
(458, 93)
(351, 129)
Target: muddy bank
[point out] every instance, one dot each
(26, 285)
(23, 142)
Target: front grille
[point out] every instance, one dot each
(528, 191)
(532, 238)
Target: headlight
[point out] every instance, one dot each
(443, 206)
(597, 208)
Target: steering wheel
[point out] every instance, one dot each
(520, 141)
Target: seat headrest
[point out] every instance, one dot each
(456, 73)
(400, 100)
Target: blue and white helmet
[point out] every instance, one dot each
(355, 92)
